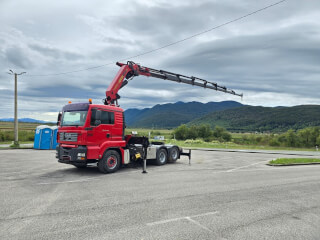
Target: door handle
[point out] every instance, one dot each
(108, 135)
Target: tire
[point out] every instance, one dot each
(162, 157)
(80, 165)
(110, 162)
(173, 154)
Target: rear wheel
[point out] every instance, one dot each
(173, 154)
(110, 162)
(162, 157)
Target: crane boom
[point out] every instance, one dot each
(131, 69)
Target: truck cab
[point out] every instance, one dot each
(87, 130)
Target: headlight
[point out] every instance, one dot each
(81, 156)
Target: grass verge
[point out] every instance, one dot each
(10, 145)
(292, 161)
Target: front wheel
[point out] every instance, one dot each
(110, 162)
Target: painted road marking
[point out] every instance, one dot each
(69, 181)
(198, 224)
(234, 169)
(26, 171)
(189, 218)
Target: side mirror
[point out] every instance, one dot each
(59, 118)
(97, 117)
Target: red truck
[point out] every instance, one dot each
(95, 133)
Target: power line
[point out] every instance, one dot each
(164, 46)
(68, 72)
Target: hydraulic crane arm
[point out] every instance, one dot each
(131, 69)
(127, 71)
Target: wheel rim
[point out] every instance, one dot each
(162, 157)
(112, 162)
(174, 154)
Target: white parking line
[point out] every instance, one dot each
(198, 224)
(165, 221)
(189, 218)
(234, 169)
(25, 171)
(70, 181)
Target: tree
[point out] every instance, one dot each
(291, 138)
(274, 142)
(181, 132)
(305, 137)
(217, 132)
(315, 133)
(226, 136)
(204, 131)
(221, 134)
(192, 132)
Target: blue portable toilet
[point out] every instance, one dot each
(54, 137)
(42, 137)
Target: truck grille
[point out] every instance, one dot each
(69, 137)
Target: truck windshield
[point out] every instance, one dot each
(74, 118)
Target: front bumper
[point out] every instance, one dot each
(70, 155)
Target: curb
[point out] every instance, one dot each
(292, 164)
(9, 148)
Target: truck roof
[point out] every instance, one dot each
(108, 107)
(85, 107)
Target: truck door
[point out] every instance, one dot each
(97, 134)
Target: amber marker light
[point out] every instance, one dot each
(69, 102)
(90, 100)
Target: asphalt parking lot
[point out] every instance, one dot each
(222, 195)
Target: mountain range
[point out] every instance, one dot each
(171, 115)
(228, 114)
(261, 119)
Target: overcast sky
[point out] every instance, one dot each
(272, 57)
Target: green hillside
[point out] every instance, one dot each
(262, 119)
(171, 115)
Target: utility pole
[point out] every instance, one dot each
(16, 139)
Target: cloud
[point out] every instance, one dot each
(272, 57)
(18, 58)
(275, 62)
(55, 52)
